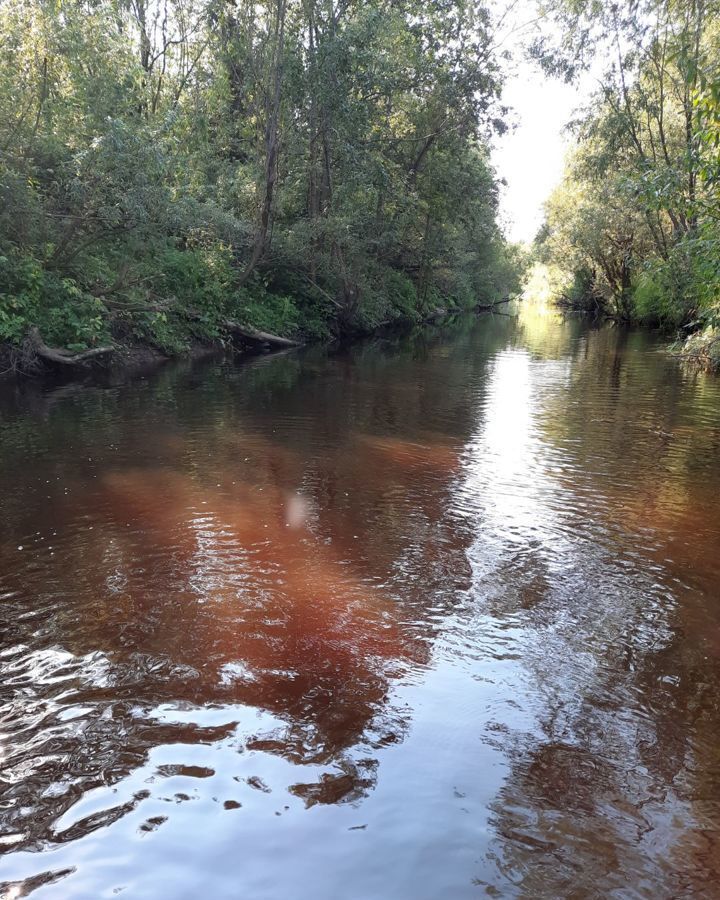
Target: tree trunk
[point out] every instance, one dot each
(259, 337)
(272, 145)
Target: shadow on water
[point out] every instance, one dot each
(431, 614)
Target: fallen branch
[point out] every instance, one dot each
(259, 337)
(248, 333)
(484, 307)
(63, 357)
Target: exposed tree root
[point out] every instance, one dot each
(63, 357)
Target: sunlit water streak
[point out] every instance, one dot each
(434, 617)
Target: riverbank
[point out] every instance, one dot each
(699, 349)
(691, 335)
(124, 358)
(23, 361)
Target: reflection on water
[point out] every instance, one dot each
(437, 616)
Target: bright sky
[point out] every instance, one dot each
(530, 157)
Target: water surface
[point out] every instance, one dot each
(438, 616)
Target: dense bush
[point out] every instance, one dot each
(635, 222)
(264, 163)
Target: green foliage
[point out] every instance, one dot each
(638, 206)
(261, 309)
(580, 292)
(21, 282)
(707, 107)
(198, 280)
(401, 295)
(680, 288)
(315, 317)
(29, 294)
(650, 298)
(166, 332)
(301, 170)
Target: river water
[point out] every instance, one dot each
(434, 617)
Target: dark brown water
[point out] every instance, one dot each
(435, 618)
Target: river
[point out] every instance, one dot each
(434, 616)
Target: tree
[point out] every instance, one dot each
(644, 155)
(302, 166)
